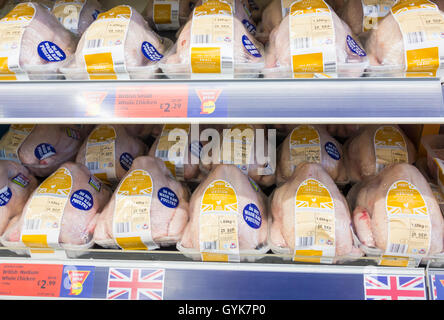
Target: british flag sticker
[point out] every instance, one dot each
(135, 284)
(394, 287)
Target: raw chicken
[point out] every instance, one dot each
(385, 45)
(16, 185)
(310, 143)
(44, 45)
(311, 196)
(189, 169)
(172, 14)
(228, 184)
(76, 16)
(48, 146)
(142, 131)
(347, 56)
(245, 61)
(373, 148)
(262, 171)
(342, 130)
(109, 152)
(70, 191)
(141, 47)
(167, 211)
(408, 195)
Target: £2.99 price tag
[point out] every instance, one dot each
(152, 101)
(36, 280)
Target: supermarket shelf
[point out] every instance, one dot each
(361, 100)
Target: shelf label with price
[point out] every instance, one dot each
(152, 101)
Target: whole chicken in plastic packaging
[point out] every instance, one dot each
(343, 131)
(16, 185)
(42, 148)
(310, 143)
(61, 212)
(375, 147)
(214, 44)
(76, 15)
(313, 41)
(34, 45)
(247, 148)
(228, 218)
(409, 39)
(148, 209)
(396, 214)
(310, 217)
(167, 15)
(119, 44)
(109, 151)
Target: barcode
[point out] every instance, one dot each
(32, 224)
(201, 38)
(397, 248)
(162, 154)
(180, 172)
(227, 63)
(174, 15)
(330, 67)
(2, 153)
(94, 43)
(209, 245)
(123, 227)
(416, 37)
(304, 241)
(302, 43)
(93, 165)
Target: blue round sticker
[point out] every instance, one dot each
(251, 48)
(332, 151)
(50, 52)
(150, 52)
(252, 216)
(126, 160)
(82, 199)
(5, 196)
(168, 198)
(44, 150)
(251, 28)
(355, 47)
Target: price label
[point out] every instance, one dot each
(36, 280)
(152, 101)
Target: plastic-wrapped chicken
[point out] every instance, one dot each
(409, 39)
(61, 212)
(214, 44)
(313, 41)
(119, 44)
(34, 45)
(76, 15)
(168, 15)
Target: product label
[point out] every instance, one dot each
(212, 40)
(168, 198)
(104, 44)
(12, 27)
(218, 225)
(390, 147)
(68, 13)
(44, 151)
(95, 183)
(13, 139)
(166, 14)
(440, 173)
(173, 148)
(312, 38)
(314, 222)
(374, 11)
(82, 200)
(50, 52)
(305, 145)
(237, 146)
(332, 151)
(43, 215)
(5, 196)
(126, 160)
(422, 28)
(252, 216)
(132, 221)
(409, 227)
(21, 180)
(250, 47)
(100, 153)
(150, 52)
(439, 196)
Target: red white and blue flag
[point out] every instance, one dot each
(135, 284)
(392, 287)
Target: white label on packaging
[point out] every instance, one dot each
(166, 14)
(13, 139)
(373, 11)
(390, 147)
(237, 147)
(68, 13)
(12, 28)
(305, 145)
(105, 38)
(212, 41)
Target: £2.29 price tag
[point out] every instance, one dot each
(30, 280)
(152, 101)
